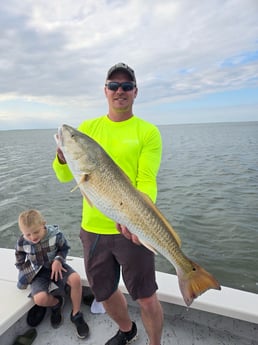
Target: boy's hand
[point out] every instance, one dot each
(57, 269)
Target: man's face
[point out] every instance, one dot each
(120, 100)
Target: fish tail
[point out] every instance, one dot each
(192, 284)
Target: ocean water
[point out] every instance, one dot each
(208, 190)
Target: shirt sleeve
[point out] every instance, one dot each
(149, 163)
(24, 267)
(62, 246)
(62, 171)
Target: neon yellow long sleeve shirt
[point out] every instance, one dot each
(135, 145)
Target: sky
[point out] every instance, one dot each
(195, 61)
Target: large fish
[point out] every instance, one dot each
(106, 186)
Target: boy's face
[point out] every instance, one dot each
(34, 233)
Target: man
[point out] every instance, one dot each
(135, 145)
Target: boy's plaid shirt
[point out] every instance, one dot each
(30, 257)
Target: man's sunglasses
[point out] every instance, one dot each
(126, 86)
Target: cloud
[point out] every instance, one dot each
(57, 52)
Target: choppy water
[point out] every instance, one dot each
(208, 189)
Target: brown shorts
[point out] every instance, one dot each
(103, 257)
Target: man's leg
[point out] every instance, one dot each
(116, 307)
(152, 318)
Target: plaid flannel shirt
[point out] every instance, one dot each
(31, 257)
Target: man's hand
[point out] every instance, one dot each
(57, 269)
(124, 231)
(60, 156)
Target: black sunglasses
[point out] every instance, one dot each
(126, 86)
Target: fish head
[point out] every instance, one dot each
(80, 151)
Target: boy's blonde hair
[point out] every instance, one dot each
(31, 217)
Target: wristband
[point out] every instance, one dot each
(59, 258)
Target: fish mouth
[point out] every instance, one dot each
(59, 136)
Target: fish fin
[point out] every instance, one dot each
(148, 246)
(193, 284)
(84, 178)
(171, 229)
(74, 188)
(168, 225)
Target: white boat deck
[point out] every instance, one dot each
(181, 327)
(232, 317)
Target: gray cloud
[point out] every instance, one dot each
(58, 52)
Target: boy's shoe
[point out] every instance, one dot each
(88, 299)
(56, 317)
(36, 315)
(81, 326)
(123, 338)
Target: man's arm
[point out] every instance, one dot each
(149, 163)
(61, 169)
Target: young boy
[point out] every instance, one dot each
(40, 258)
